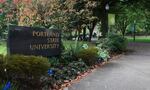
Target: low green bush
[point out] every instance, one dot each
(114, 43)
(70, 52)
(67, 57)
(103, 54)
(89, 56)
(54, 61)
(26, 71)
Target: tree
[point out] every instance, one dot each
(48, 14)
(86, 18)
(8, 15)
(121, 23)
(128, 12)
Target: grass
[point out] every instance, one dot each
(3, 48)
(143, 39)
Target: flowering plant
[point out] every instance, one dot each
(85, 46)
(7, 86)
(50, 72)
(103, 53)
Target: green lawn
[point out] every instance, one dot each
(140, 39)
(3, 49)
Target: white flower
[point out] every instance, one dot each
(5, 70)
(85, 46)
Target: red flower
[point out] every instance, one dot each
(2, 1)
(15, 1)
(27, 1)
(24, 1)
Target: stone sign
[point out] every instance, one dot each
(34, 41)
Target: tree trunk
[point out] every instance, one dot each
(76, 34)
(70, 35)
(91, 29)
(90, 36)
(84, 34)
(79, 36)
(104, 21)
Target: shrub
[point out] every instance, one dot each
(89, 56)
(54, 61)
(114, 43)
(103, 54)
(68, 57)
(71, 51)
(26, 71)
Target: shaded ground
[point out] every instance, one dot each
(130, 72)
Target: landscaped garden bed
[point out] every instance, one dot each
(50, 42)
(76, 61)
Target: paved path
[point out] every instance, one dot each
(130, 72)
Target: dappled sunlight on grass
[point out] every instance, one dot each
(3, 48)
(144, 39)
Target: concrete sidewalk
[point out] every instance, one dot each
(130, 72)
